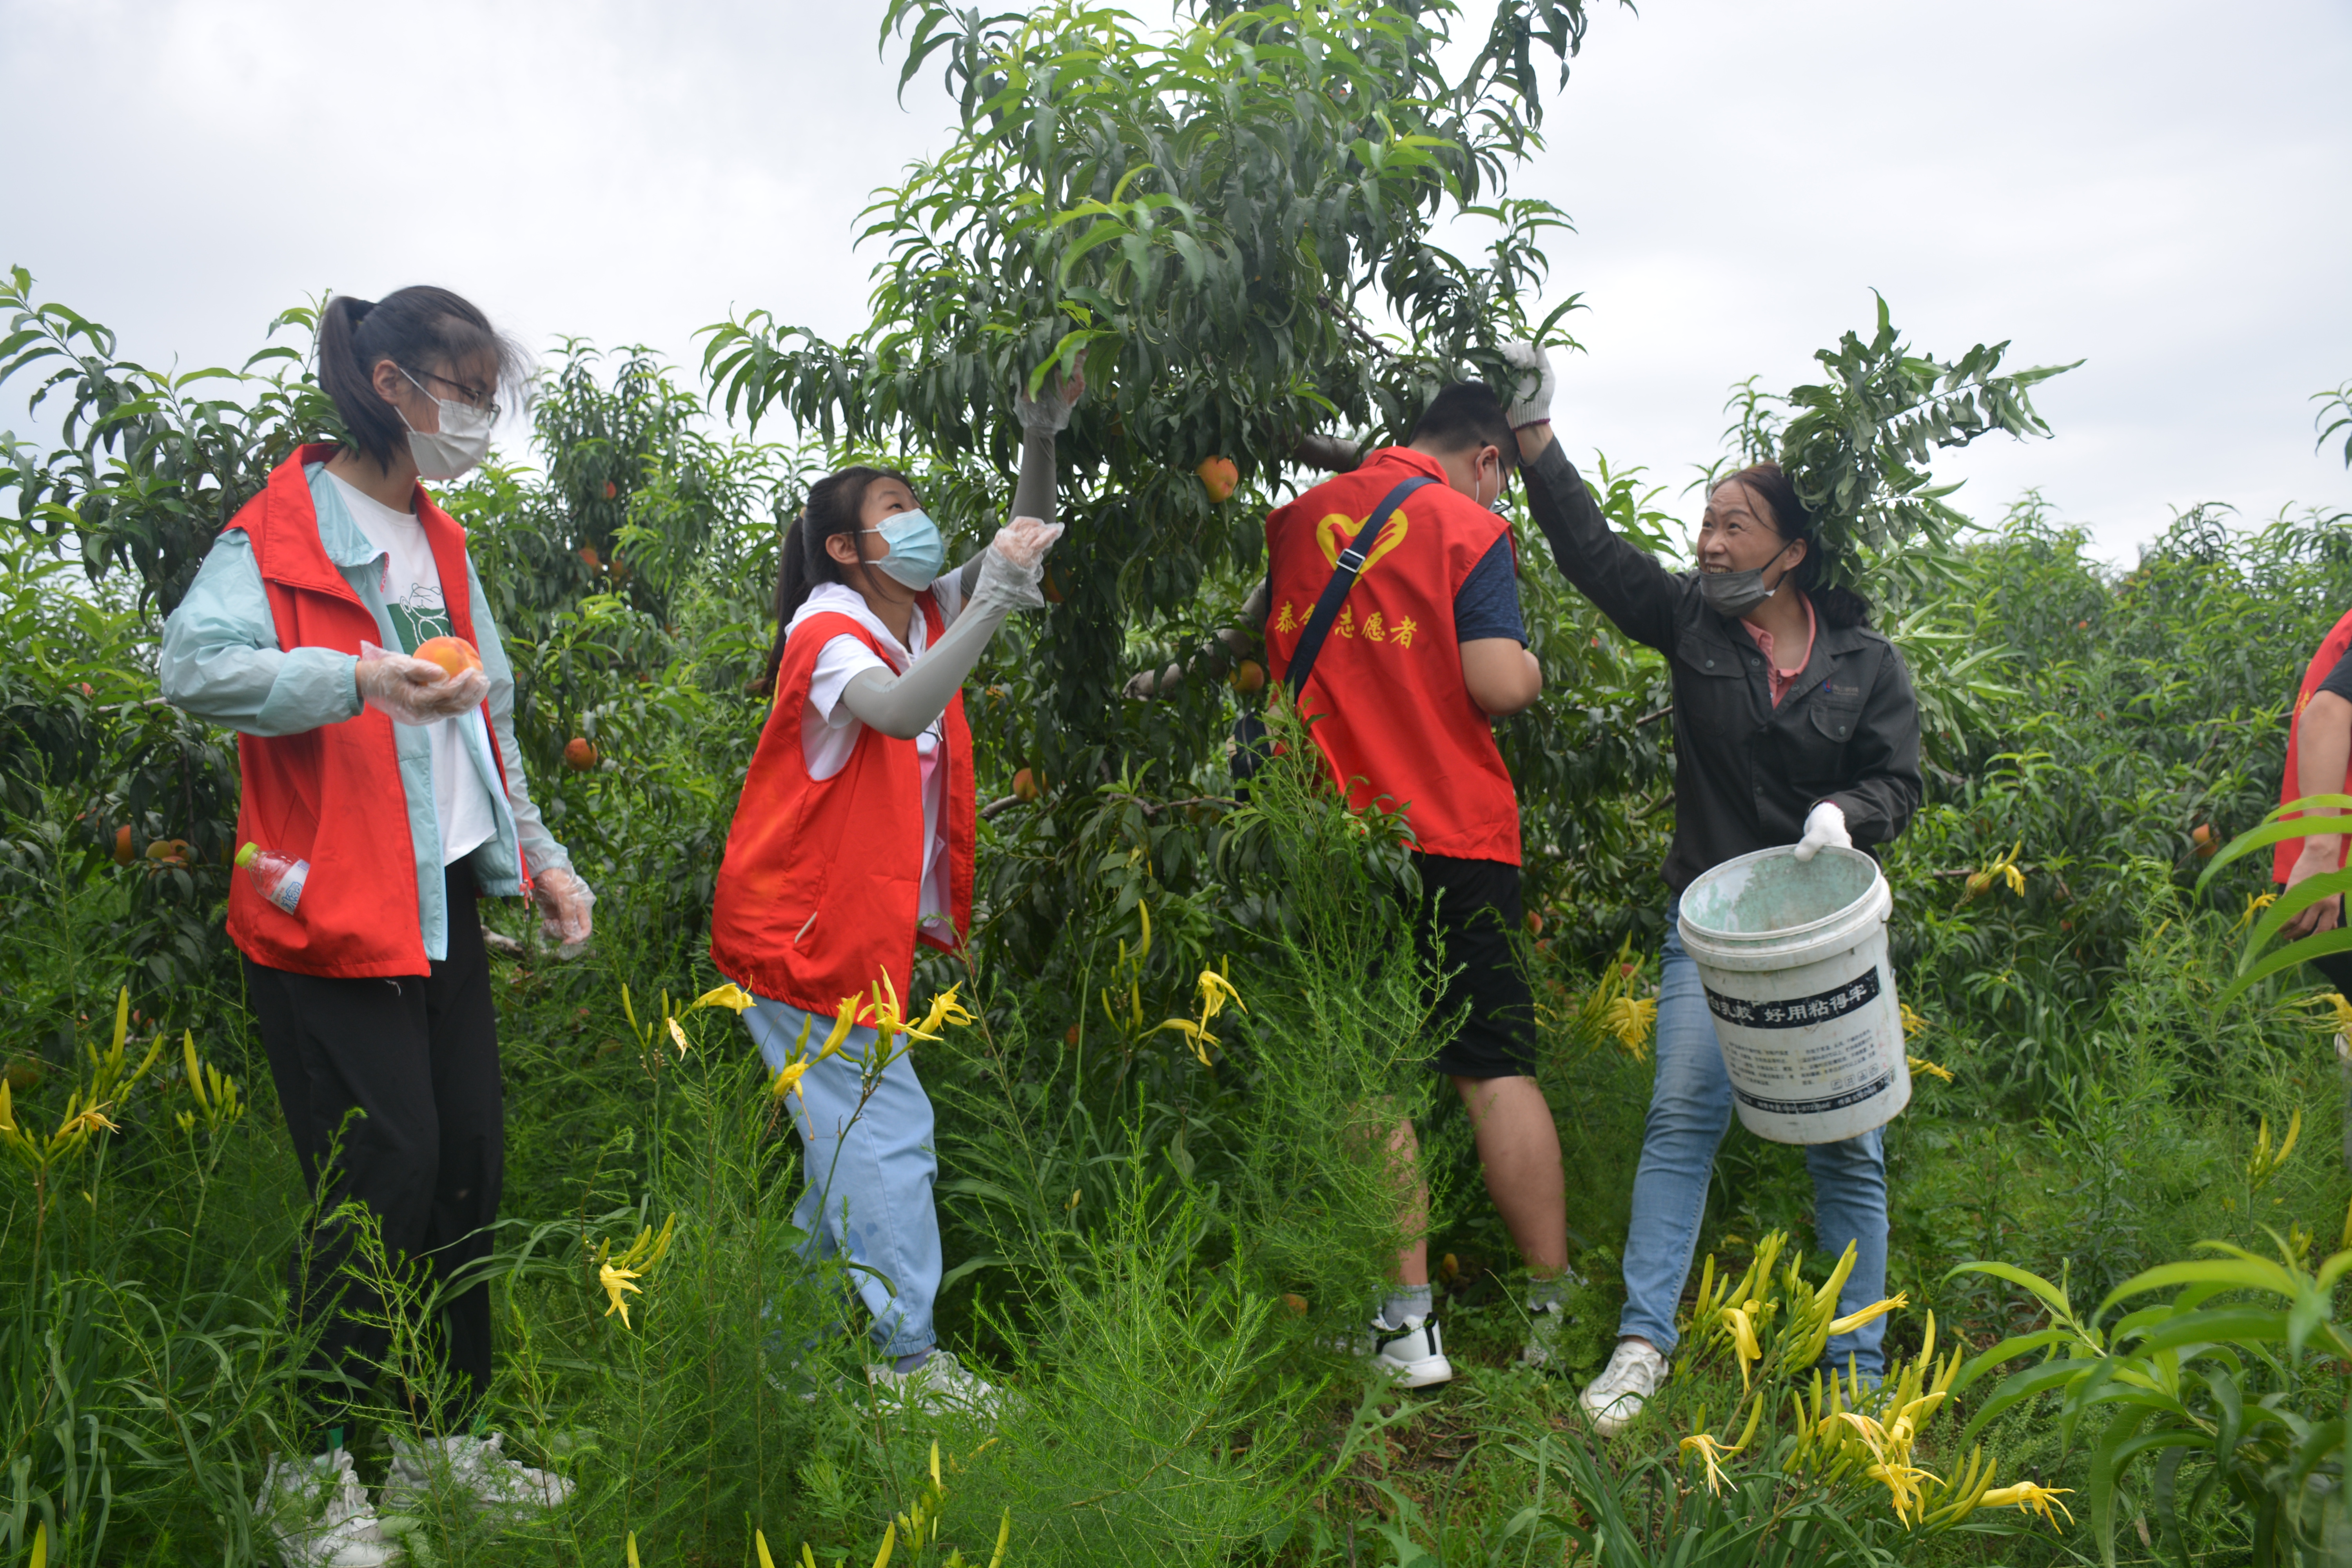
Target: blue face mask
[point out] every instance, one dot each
(917, 550)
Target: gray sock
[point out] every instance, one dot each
(911, 1359)
(1406, 1302)
(1547, 1295)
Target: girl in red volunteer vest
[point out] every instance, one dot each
(402, 787)
(2319, 761)
(851, 843)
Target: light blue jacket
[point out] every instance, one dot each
(221, 663)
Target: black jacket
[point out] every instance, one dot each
(1746, 773)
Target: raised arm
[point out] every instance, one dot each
(1011, 571)
(1622, 579)
(1033, 492)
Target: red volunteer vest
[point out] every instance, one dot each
(820, 888)
(2322, 665)
(1397, 721)
(332, 795)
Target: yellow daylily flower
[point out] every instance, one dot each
(615, 1282)
(947, 1009)
(760, 1543)
(2030, 1498)
(1714, 1453)
(677, 1036)
(788, 1080)
(1871, 1313)
(729, 995)
(1933, 1070)
(2265, 1163)
(1200, 1038)
(1743, 1339)
(1215, 992)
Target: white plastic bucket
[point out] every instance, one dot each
(1793, 957)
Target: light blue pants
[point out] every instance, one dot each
(1690, 1109)
(869, 1171)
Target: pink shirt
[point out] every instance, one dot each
(1781, 680)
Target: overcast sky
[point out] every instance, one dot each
(2161, 189)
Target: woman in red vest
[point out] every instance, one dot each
(2319, 761)
(851, 843)
(402, 787)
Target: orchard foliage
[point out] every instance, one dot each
(1215, 223)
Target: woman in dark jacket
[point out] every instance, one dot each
(1794, 723)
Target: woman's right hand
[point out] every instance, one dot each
(418, 691)
(2319, 857)
(1012, 567)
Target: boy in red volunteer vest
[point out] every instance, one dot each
(402, 787)
(1428, 650)
(2319, 761)
(851, 843)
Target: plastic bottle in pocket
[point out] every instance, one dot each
(279, 877)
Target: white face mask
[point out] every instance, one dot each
(463, 440)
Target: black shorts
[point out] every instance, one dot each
(1475, 916)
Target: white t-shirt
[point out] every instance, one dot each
(829, 732)
(412, 595)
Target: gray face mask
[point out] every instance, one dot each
(1734, 593)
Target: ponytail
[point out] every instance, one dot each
(418, 329)
(836, 504)
(1837, 606)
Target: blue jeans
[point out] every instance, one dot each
(870, 1172)
(1690, 1109)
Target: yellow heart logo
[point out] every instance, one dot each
(1334, 531)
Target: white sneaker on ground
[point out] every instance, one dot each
(1413, 1353)
(476, 1467)
(317, 1514)
(940, 1382)
(1624, 1385)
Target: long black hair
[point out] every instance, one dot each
(836, 504)
(1838, 607)
(419, 329)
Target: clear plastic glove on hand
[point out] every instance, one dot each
(415, 690)
(1530, 401)
(1050, 411)
(564, 902)
(1012, 567)
(1824, 829)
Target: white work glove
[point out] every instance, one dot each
(1824, 829)
(1012, 567)
(564, 908)
(1052, 411)
(415, 690)
(1530, 400)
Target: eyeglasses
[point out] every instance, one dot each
(472, 396)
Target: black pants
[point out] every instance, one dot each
(1475, 906)
(417, 1060)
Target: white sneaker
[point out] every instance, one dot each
(939, 1384)
(317, 1514)
(1624, 1385)
(476, 1467)
(1413, 1353)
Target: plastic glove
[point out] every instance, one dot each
(1824, 829)
(1051, 412)
(1531, 400)
(415, 690)
(1012, 567)
(564, 904)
